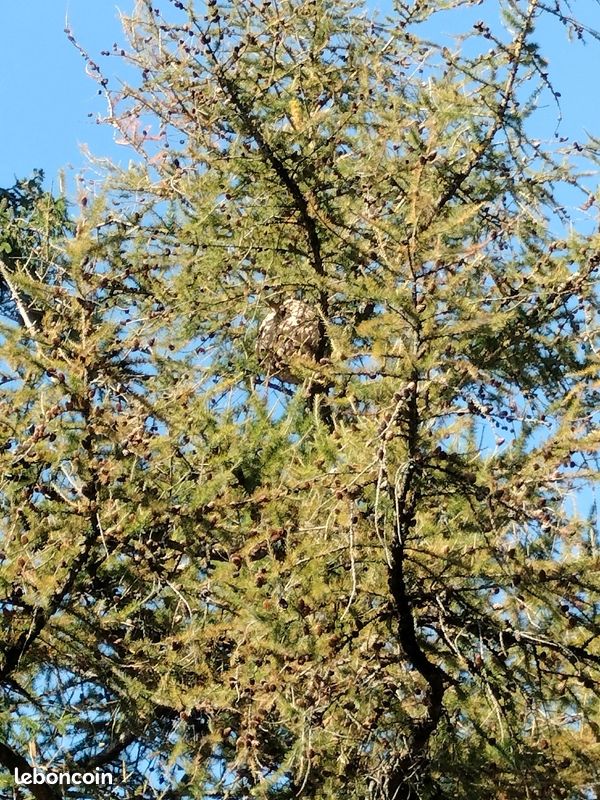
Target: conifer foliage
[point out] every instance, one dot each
(367, 567)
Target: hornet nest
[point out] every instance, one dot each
(291, 330)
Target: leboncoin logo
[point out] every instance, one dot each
(38, 777)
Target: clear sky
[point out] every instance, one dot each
(46, 96)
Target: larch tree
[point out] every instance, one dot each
(298, 453)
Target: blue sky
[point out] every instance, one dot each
(46, 96)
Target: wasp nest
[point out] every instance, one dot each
(289, 332)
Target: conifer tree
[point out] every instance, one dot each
(298, 464)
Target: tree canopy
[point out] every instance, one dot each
(298, 448)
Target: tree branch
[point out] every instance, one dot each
(405, 501)
(109, 754)
(41, 614)
(23, 313)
